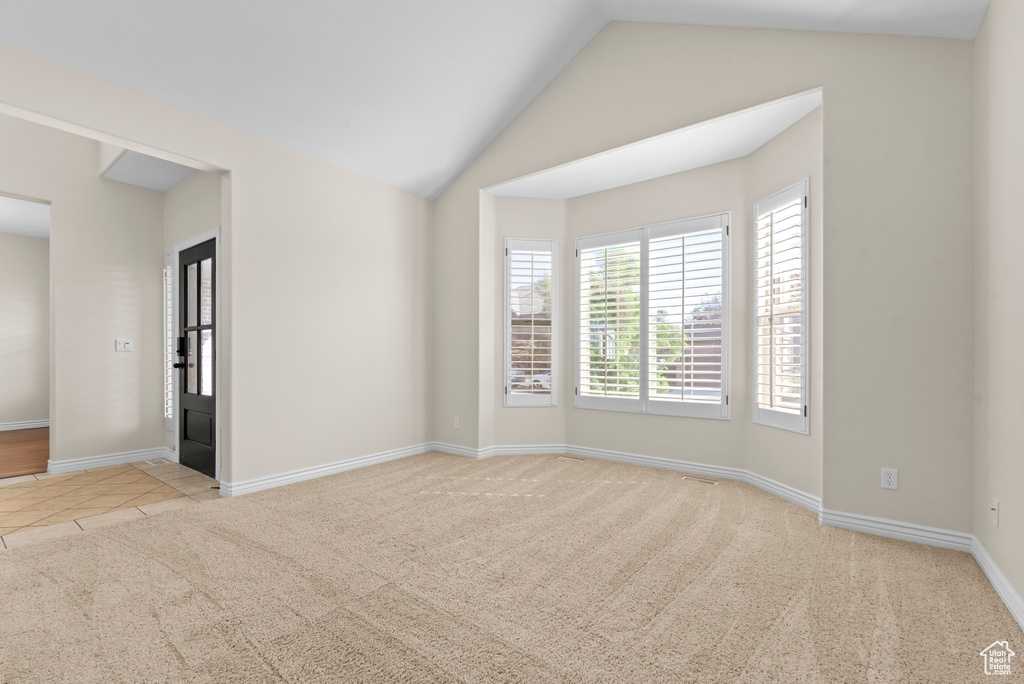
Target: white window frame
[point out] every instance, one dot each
(512, 400)
(644, 404)
(771, 418)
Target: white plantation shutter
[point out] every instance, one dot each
(169, 342)
(781, 308)
(686, 327)
(653, 323)
(609, 321)
(530, 339)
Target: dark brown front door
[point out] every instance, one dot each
(197, 360)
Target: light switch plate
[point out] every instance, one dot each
(122, 345)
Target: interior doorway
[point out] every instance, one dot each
(24, 336)
(117, 209)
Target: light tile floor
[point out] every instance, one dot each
(36, 507)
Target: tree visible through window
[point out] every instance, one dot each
(686, 310)
(652, 320)
(610, 289)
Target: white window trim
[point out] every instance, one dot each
(645, 404)
(778, 419)
(530, 400)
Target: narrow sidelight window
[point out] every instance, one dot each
(781, 307)
(531, 350)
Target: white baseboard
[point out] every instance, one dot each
(933, 536)
(1012, 599)
(894, 529)
(783, 491)
(229, 489)
(922, 534)
(520, 450)
(500, 450)
(73, 464)
(457, 450)
(24, 425)
(656, 462)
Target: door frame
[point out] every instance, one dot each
(173, 258)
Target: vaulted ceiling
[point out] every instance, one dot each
(406, 91)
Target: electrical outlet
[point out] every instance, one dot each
(994, 510)
(456, 422)
(890, 478)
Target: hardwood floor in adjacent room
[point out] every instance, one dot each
(24, 452)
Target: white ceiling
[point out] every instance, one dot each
(710, 142)
(144, 171)
(405, 91)
(21, 217)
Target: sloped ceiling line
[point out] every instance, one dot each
(405, 91)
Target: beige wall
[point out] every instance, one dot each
(790, 458)
(488, 320)
(709, 190)
(730, 187)
(328, 339)
(457, 329)
(331, 297)
(518, 217)
(999, 309)
(191, 207)
(24, 328)
(897, 208)
(105, 259)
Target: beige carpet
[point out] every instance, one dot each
(531, 569)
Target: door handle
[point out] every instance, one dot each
(178, 365)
